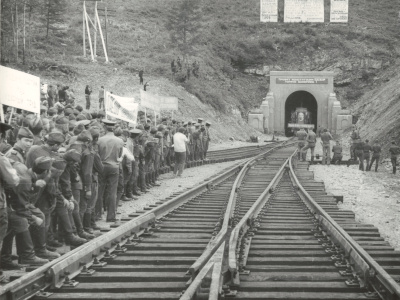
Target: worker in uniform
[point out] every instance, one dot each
(159, 153)
(326, 138)
(189, 130)
(21, 146)
(206, 139)
(167, 141)
(355, 139)
(142, 163)
(394, 151)
(359, 152)
(149, 156)
(337, 153)
(367, 149)
(110, 149)
(301, 137)
(9, 178)
(197, 143)
(31, 244)
(310, 139)
(136, 149)
(376, 154)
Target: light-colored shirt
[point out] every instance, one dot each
(110, 149)
(180, 141)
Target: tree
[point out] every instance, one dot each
(184, 24)
(55, 12)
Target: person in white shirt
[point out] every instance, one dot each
(180, 146)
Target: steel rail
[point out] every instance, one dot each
(205, 263)
(356, 253)
(56, 272)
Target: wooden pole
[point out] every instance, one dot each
(16, 23)
(11, 115)
(95, 30)
(23, 52)
(101, 35)
(83, 29)
(88, 32)
(105, 12)
(2, 110)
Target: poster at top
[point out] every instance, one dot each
(268, 10)
(339, 11)
(297, 11)
(123, 108)
(19, 89)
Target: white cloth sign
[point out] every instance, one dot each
(122, 108)
(304, 11)
(158, 103)
(268, 10)
(19, 89)
(339, 11)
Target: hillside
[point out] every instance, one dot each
(233, 48)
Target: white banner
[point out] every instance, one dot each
(122, 108)
(339, 11)
(19, 89)
(157, 102)
(304, 11)
(268, 10)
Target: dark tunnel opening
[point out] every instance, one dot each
(297, 100)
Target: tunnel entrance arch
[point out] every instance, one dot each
(300, 99)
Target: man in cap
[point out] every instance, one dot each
(301, 142)
(36, 127)
(9, 177)
(206, 139)
(21, 146)
(137, 150)
(22, 200)
(197, 143)
(200, 122)
(83, 193)
(326, 138)
(101, 98)
(310, 139)
(66, 206)
(110, 150)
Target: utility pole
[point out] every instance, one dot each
(95, 30)
(84, 30)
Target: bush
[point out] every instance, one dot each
(267, 44)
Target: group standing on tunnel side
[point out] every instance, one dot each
(359, 150)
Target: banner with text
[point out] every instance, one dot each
(339, 11)
(268, 10)
(302, 80)
(122, 108)
(19, 89)
(157, 102)
(304, 11)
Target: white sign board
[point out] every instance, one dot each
(339, 11)
(122, 108)
(268, 10)
(304, 11)
(306, 126)
(157, 102)
(19, 89)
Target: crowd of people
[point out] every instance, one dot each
(361, 151)
(62, 170)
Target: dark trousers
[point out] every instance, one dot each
(75, 216)
(132, 185)
(87, 101)
(394, 162)
(337, 158)
(108, 189)
(376, 160)
(141, 79)
(367, 158)
(3, 224)
(360, 155)
(180, 158)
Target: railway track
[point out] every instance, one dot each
(252, 232)
(146, 257)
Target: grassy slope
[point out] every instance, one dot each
(232, 38)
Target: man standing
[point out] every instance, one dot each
(136, 149)
(141, 76)
(22, 145)
(301, 137)
(101, 98)
(337, 153)
(180, 143)
(394, 152)
(367, 148)
(355, 139)
(326, 137)
(311, 139)
(88, 91)
(376, 154)
(359, 152)
(206, 139)
(110, 150)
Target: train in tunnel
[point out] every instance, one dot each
(300, 117)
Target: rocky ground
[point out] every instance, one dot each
(374, 197)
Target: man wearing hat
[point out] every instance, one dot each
(206, 139)
(31, 244)
(197, 143)
(21, 146)
(110, 150)
(200, 121)
(136, 149)
(7, 176)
